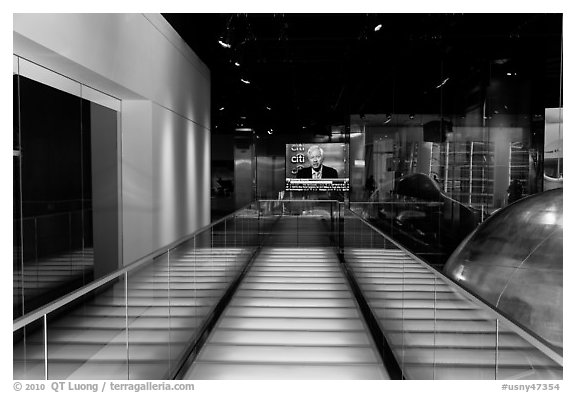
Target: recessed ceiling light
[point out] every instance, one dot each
(245, 81)
(237, 64)
(378, 27)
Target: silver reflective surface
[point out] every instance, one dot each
(514, 262)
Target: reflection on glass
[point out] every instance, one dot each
(56, 249)
(518, 359)
(87, 339)
(29, 351)
(434, 329)
(184, 284)
(66, 140)
(149, 321)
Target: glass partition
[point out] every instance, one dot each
(65, 159)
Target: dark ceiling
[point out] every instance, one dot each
(308, 72)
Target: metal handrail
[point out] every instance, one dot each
(299, 200)
(66, 299)
(526, 335)
(64, 213)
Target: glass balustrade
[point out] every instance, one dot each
(138, 322)
(434, 328)
(142, 321)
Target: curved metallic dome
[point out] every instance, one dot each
(514, 262)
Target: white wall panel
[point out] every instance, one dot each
(166, 175)
(138, 200)
(127, 49)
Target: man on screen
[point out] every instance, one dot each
(316, 170)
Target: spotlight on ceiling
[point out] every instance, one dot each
(270, 131)
(221, 108)
(268, 108)
(224, 44)
(442, 83)
(237, 64)
(245, 81)
(378, 27)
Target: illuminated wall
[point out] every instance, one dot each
(165, 116)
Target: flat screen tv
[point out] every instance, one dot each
(317, 167)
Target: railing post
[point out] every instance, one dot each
(258, 229)
(126, 325)
(496, 354)
(340, 228)
(45, 347)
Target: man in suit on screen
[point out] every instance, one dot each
(316, 170)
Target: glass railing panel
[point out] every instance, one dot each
(149, 320)
(411, 315)
(87, 337)
(138, 323)
(242, 234)
(54, 261)
(239, 240)
(249, 227)
(434, 330)
(29, 351)
(183, 284)
(464, 342)
(209, 271)
(224, 254)
(298, 223)
(420, 226)
(379, 273)
(216, 256)
(519, 359)
(30, 267)
(272, 213)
